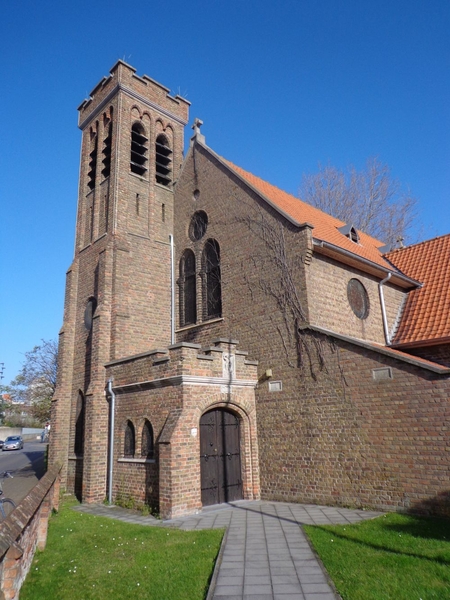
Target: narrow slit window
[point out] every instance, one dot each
(139, 150)
(163, 161)
(79, 425)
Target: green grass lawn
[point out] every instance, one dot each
(90, 557)
(393, 557)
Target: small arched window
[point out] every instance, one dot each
(213, 283)
(139, 149)
(129, 441)
(188, 299)
(79, 425)
(163, 161)
(147, 449)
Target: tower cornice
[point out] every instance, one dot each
(120, 87)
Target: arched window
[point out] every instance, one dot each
(139, 149)
(213, 285)
(147, 449)
(188, 299)
(163, 160)
(130, 441)
(79, 425)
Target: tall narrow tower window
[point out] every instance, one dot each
(163, 161)
(211, 266)
(139, 150)
(92, 160)
(188, 289)
(106, 151)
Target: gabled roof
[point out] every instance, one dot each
(326, 227)
(426, 317)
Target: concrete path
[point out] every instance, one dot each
(265, 554)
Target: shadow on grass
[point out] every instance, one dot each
(437, 528)
(442, 559)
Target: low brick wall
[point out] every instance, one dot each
(24, 530)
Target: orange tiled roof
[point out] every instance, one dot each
(426, 316)
(325, 226)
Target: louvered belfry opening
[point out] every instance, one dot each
(106, 151)
(139, 150)
(92, 160)
(163, 161)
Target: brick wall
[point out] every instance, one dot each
(122, 260)
(333, 434)
(154, 387)
(24, 530)
(328, 303)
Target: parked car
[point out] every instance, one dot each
(1, 443)
(13, 442)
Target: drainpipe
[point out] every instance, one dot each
(383, 309)
(172, 291)
(111, 437)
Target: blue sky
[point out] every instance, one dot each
(281, 87)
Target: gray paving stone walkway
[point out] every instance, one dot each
(265, 554)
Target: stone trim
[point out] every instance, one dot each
(386, 351)
(177, 380)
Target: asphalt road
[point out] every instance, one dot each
(27, 467)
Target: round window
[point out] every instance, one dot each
(358, 298)
(198, 225)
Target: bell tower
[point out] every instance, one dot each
(118, 288)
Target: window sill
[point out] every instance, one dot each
(201, 324)
(141, 461)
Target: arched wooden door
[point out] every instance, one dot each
(220, 457)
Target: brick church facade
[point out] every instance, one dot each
(224, 340)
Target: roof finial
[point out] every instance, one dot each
(197, 133)
(400, 242)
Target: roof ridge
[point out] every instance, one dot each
(417, 244)
(338, 222)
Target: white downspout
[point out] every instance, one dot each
(383, 309)
(172, 291)
(111, 438)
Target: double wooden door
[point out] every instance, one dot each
(220, 457)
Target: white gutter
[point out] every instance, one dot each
(383, 309)
(111, 438)
(172, 291)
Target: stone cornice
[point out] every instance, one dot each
(177, 380)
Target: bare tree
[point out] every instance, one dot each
(36, 382)
(369, 199)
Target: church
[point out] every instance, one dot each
(224, 340)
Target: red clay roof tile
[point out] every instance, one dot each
(325, 226)
(426, 316)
